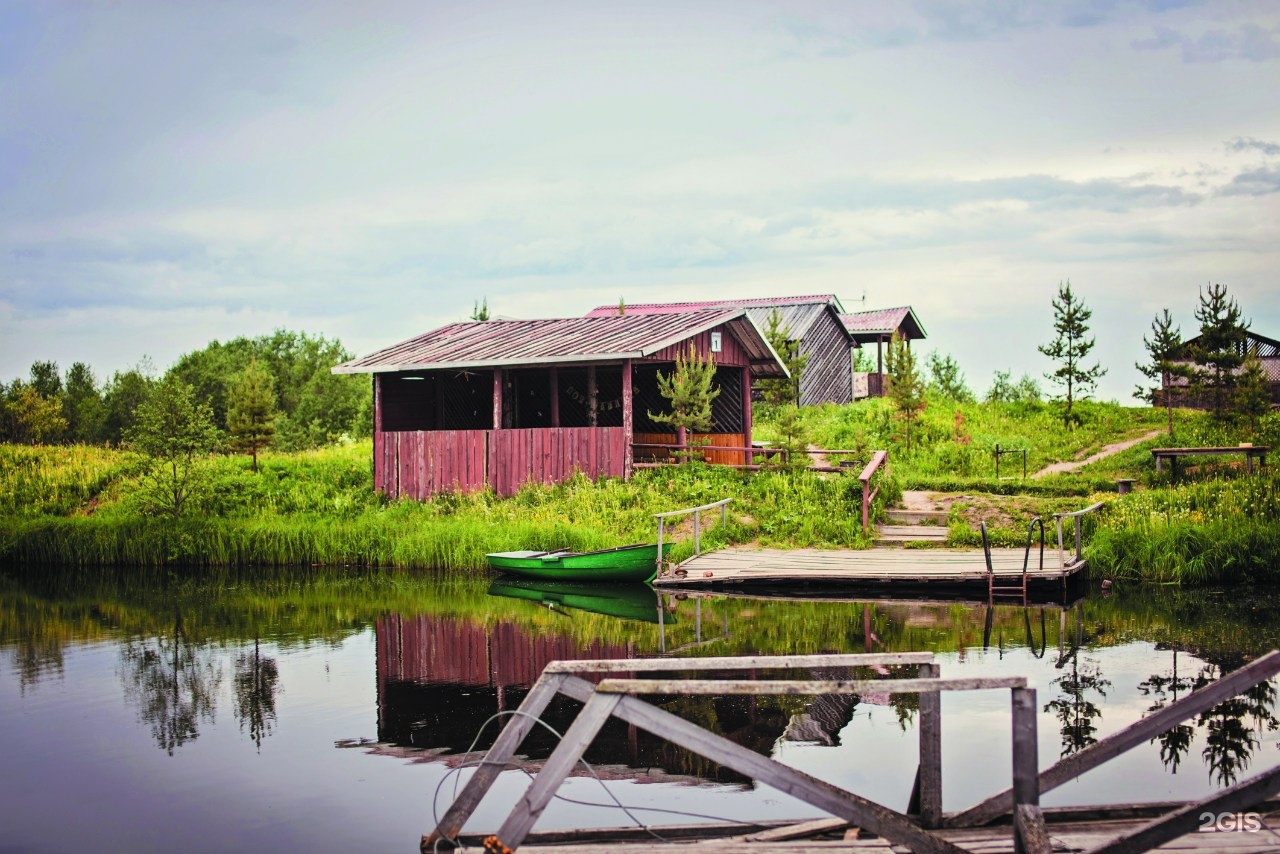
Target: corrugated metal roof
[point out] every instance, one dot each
(797, 313)
(503, 343)
(883, 321)
(677, 307)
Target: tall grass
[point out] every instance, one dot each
(1206, 532)
(319, 507)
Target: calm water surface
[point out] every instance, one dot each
(325, 711)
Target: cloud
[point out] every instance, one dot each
(1257, 182)
(1248, 41)
(1242, 144)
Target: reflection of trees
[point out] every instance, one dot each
(1175, 742)
(174, 684)
(1230, 727)
(1075, 711)
(255, 691)
(35, 659)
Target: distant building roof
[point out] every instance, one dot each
(797, 313)
(866, 326)
(507, 343)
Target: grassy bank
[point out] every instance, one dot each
(74, 507)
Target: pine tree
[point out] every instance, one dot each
(906, 388)
(1163, 349)
(690, 390)
(782, 391)
(1253, 393)
(1220, 349)
(251, 410)
(946, 379)
(1069, 349)
(480, 310)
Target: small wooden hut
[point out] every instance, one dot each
(501, 403)
(877, 327)
(812, 321)
(1267, 351)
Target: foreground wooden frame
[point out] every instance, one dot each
(620, 698)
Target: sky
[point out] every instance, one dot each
(176, 173)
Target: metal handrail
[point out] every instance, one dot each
(696, 511)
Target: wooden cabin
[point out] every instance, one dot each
(877, 327)
(813, 321)
(499, 403)
(1266, 349)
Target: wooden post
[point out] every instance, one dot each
(628, 429)
(930, 752)
(593, 398)
(528, 809)
(880, 362)
(746, 413)
(1029, 836)
(495, 761)
(497, 398)
(555, 397)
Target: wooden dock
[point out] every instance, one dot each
(869, 567)
(1239, 818)
(1068, 828)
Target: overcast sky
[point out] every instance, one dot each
(172, 173)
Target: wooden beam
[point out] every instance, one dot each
(1188, 819)
(562, 760)
(803, 688)
(1131, 736)
(497, 398)
(555, 397)
(1029, 836)
(628, 429)
(746, 414)
(504, 747)
(832, 799)
(748, 662)
(930, 775)
(593, 398)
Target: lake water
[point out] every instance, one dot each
(325, 711)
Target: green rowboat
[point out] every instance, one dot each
(626, 600)
(637, 562)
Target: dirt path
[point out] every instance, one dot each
(1107, 450)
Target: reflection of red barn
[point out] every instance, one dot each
(501, 403)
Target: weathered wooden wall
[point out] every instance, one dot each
(731, 352)
(723, 440)
(828, 375)
(421, 463)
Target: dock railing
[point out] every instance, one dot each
(1076, 517)
(1185, 819)
(697, 522)
(621, 698)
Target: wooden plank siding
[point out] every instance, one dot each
(828, 375)
(732, 353)
(726, 440)
(422, 463)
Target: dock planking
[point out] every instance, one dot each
(943, 567)
(1069, 829)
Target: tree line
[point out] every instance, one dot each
(270, 391)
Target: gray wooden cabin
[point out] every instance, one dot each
(813, 321)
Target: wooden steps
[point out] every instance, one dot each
(912, 526)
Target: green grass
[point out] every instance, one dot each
(319, 507)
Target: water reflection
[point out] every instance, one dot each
(450, 651)
(173, 684)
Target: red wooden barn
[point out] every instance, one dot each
(503, 402)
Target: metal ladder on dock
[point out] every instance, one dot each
(1019, 590)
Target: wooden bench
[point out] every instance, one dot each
(1249, 451)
